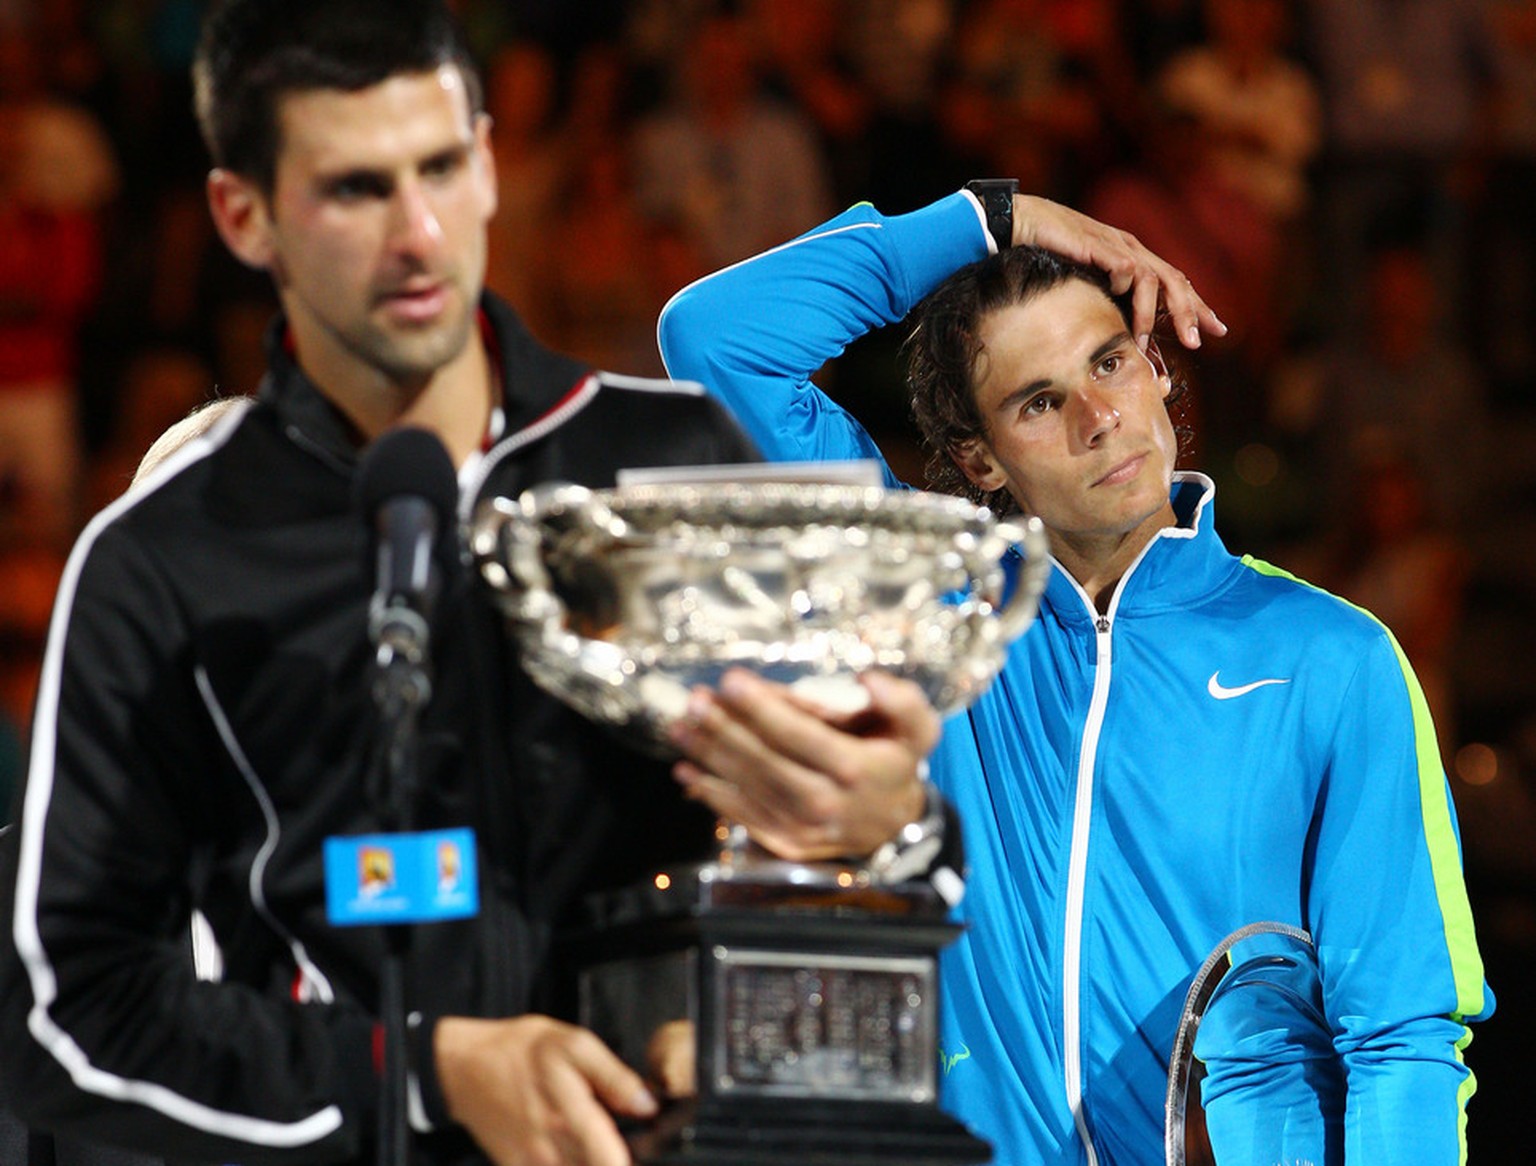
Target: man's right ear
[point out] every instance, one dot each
(242, 214)
(978, 465)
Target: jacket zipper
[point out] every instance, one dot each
(1077, 866)
(1072, 949)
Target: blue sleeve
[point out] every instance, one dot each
(1397, 961)
(1388, 910)
(1396, 953)
(1274, 1089)
(754, 334)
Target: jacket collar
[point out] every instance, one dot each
(533, 379)
(1181, 564)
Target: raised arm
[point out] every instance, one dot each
(755, 333)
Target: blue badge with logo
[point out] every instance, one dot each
(401, 878)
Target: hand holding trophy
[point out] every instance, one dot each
(808, 981)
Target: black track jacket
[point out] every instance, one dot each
(204, 722)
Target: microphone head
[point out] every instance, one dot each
(407, 461)
(409, 467)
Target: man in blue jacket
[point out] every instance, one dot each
(1185, 743)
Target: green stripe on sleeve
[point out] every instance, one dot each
(1435, 811)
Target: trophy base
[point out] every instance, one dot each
(759, 1132)
(814, 1001)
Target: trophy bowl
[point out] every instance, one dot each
(623, 600)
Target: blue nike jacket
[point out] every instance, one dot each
(1224, 745)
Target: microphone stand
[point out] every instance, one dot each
(401, 688)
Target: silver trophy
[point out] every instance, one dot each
(623, 600)
(810, 988)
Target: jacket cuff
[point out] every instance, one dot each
(933, 243)
(426, 1108)
(358, 1047)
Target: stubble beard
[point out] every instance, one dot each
(411, 356)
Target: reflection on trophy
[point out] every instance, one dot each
(809, 990)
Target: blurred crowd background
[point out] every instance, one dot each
(1350, 183)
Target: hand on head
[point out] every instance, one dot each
(1130, 265)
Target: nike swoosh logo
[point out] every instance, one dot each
(1222, 692)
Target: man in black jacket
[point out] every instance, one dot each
(205, 722)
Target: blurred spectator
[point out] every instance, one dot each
(530, 166)
(1174, 202)
(600, 99)
(1261, 107)
(1262, 121)
(57, 177)
(900, 52)
(1027, 98)
(1405, 86)
(1505, 242)
(604, 290)
(1409, 571)
(57, 174)
(739, 170)
(804, 64)
(1405, 383)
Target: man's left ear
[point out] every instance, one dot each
(1159, 366)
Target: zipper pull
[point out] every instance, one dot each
(1102, 624)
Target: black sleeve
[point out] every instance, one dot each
(106, 1030)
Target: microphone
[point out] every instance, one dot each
(408, 492)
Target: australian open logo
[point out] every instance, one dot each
(375, 871)
(450, 867)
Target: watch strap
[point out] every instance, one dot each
(996, 198)
(930, 847)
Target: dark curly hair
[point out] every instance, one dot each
(944, 346)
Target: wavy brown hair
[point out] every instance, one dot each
(945, 345)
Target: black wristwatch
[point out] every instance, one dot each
(930, 847)
(996, 198)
